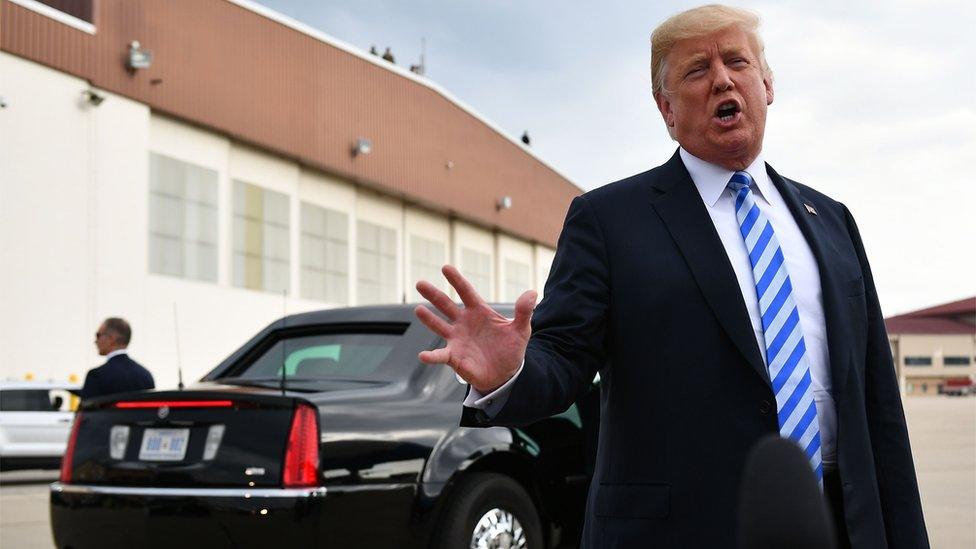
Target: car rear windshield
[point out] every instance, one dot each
(33, 400)
(338, 357)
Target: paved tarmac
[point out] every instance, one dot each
(943, 434)
(24, 522)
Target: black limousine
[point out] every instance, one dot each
(324, 430)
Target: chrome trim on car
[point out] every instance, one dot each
(246, 493)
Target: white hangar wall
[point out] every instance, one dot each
(92, 196)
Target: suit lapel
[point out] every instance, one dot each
(680, 207)
(812, 227)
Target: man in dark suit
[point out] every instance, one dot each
(720, 302)
(120, 373)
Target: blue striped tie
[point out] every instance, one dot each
(785, 349)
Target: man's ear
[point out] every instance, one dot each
(768, 84)
(664, 105)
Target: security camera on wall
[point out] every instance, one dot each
(91, 97)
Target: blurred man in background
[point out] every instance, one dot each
(120, 373)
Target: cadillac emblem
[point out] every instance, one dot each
(162, 412)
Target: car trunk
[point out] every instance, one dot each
(185, 438)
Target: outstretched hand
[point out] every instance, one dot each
(483, 347)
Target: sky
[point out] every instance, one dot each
(874, 104)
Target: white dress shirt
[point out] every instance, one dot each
(711, 181)
(116, 353)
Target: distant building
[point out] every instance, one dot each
(213, 165)
(933, 345)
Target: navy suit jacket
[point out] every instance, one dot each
(119, 374)
(642, 290)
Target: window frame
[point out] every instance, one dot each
(264, 257)
(382, 259)
(325, 240)
(429, 271)
(185, 199)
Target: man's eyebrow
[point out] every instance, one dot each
(693, 59)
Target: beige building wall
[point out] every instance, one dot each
(387, 214)
(432, 233)
(202, 148)
(543, 263)
(76, 204)
(910, 349)
(333, 194)
(57, 221)
(514, 268)
(471, 244)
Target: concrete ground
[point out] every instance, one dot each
(943, 433)
(24, 520)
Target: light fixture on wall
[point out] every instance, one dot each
(363, 146)
(92, 97)
(504, 203)
(139, 57)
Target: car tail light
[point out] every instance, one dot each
(302, 454)
(214, 436)
(69, 453)
(118, 439)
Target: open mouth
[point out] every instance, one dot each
(727, 111)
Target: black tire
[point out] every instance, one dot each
(475, 495)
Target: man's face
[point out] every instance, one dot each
(715, 97)
(104, 340)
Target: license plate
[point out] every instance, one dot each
(164, 444)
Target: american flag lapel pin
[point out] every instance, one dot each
(811, 209)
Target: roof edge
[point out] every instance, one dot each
(308, 30)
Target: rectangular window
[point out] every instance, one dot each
(261, 244)
(325, 254)
(82, 9)
(182, 219)
(957, 361)
(918, 361)
(426, 259)
(327, 359)
(517, 279)
(31, 400)
(376, 256)
(476, 267)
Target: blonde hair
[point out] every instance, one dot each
(698, 22)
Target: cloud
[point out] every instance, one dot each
(876, 117)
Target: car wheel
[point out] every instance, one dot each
(489, 511)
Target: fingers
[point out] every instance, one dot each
(432, 321)
(465, 290)
(437, 356)
(523, 310)
(438, 299)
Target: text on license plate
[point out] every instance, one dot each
(164, 444)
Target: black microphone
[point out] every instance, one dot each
(780, 504)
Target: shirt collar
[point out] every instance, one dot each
(116, 352)
(712, 179)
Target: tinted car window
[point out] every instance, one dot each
(26, 400)
(343, 356)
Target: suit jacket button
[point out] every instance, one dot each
(765, 406)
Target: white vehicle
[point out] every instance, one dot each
(35, 421)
